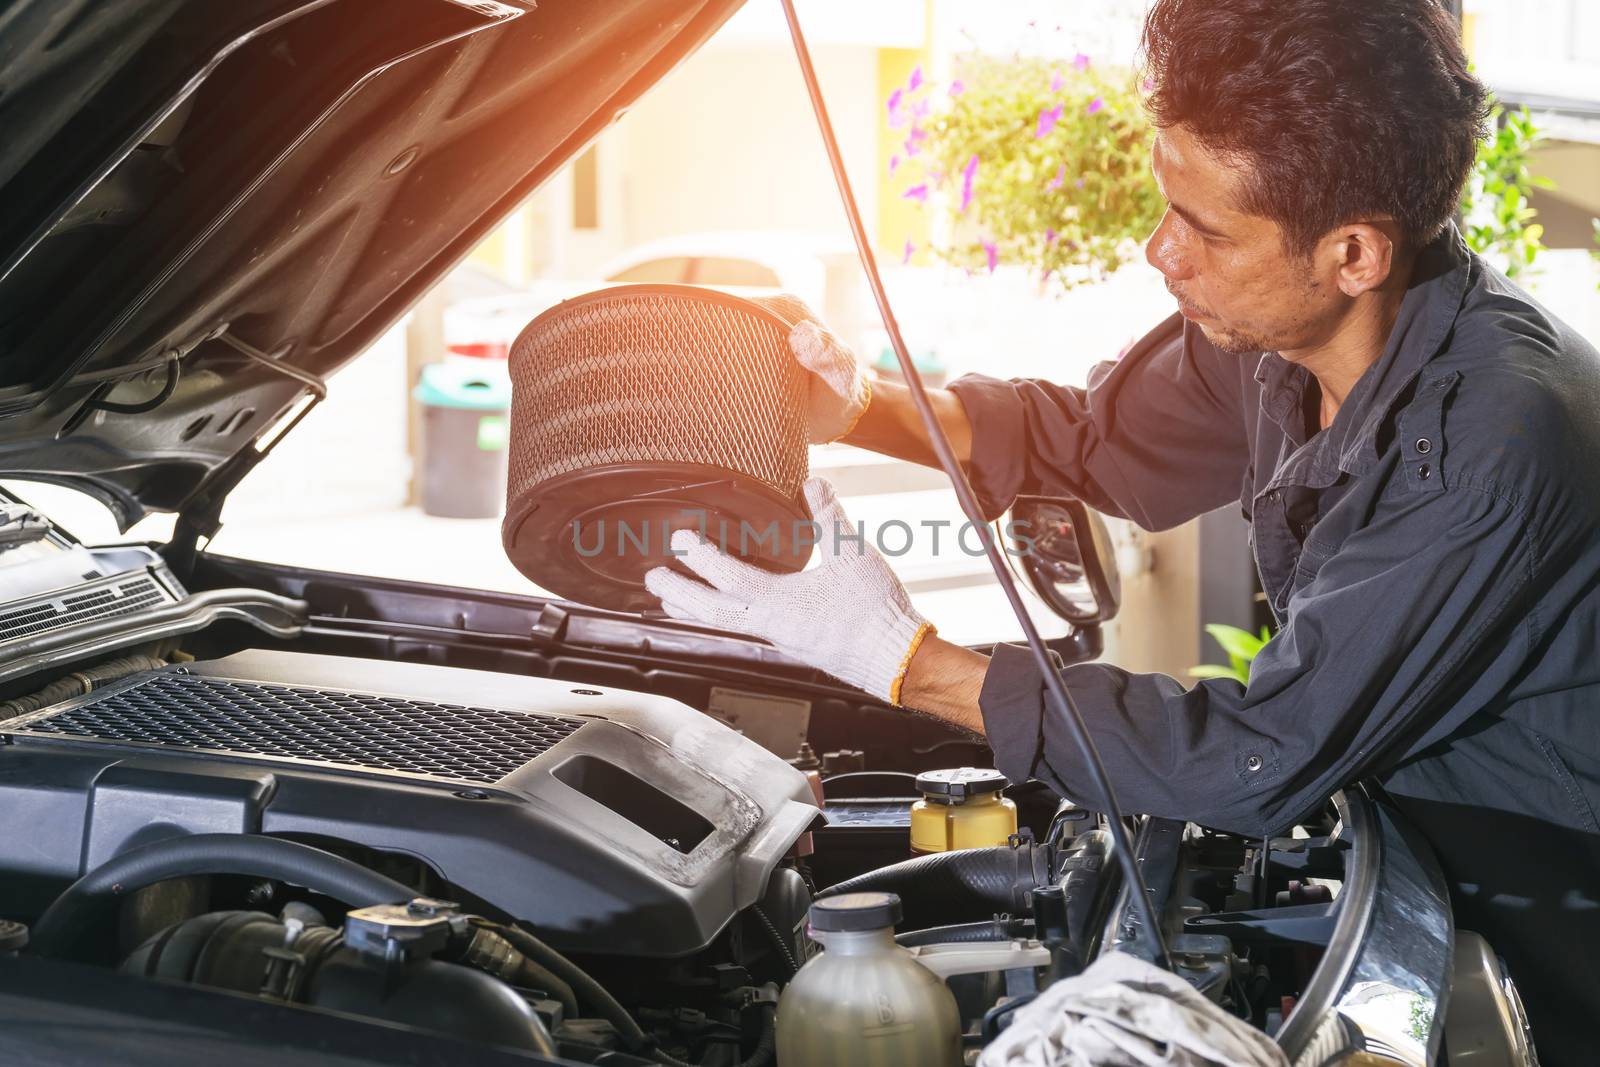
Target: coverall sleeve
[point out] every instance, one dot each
(1377, 648)
(1157, 437)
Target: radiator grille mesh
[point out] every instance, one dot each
(107, 602)
(657, 375)
(373, 733)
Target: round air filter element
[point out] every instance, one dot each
(644, 409)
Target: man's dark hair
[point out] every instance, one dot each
(1341, 110)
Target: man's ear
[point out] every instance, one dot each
(1364, 255)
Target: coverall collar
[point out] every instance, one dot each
(1350, 444)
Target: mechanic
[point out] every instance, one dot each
(1416, 447)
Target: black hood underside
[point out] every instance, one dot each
(188, 182)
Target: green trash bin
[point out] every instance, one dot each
(930, 368)
(463, 439)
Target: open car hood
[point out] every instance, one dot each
(187, 183)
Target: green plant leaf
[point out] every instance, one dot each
(1497, 218)
(1214, 670)
(1238, 643)
(1071, 199)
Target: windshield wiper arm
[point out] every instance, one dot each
(21, 525)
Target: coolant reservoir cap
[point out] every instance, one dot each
(961, 782)
(856, 911)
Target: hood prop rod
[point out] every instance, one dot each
(1060, 701)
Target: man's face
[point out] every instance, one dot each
(1229, 269)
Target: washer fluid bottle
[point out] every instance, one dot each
(961, 808)
(865, 1001)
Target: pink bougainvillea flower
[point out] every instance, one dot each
(894, 164)
(916, 80)
(1078, 184)
(897, 116)
(919, 193)
(1055, 82)
(958, 87)
(914, 140)
(906, 256)
(1096, 104)
(969, 173)
(992, 253)
(1047, 121)
(1049, 237)
(1055, 183)
(920, 111)
(1147, 84)
(1080, 62)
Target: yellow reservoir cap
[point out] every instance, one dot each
(961, 808)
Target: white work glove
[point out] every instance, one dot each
(848, 616)
(1124, 1012)
(840, 390)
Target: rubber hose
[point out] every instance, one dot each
(588, 990)
(958, 933)
(538, 976)
(78, 683)
(597, 997)
(766, 1050)
(765, 1053)
(488, 950)
(963, 885)
(69, 929)
(779, 943)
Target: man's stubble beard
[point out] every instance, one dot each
(1242, 342)
(1235, 342)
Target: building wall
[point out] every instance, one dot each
(728, 142)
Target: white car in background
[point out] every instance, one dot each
(821, 270)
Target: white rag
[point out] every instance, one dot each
(1124, 1012)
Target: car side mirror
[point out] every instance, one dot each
(1065, 552)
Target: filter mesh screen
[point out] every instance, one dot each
(382, 733)
(657, 377)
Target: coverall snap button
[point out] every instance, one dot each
(1252, 763)
(1424, 445)
(1424, 470)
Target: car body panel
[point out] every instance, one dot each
(292, 175)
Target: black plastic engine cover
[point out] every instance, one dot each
(618, 822)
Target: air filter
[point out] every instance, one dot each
(644, 409)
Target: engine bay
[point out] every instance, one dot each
(560, 861)
(616, 818)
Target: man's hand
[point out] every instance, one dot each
(844, 404)
(848, 616)
(840, 390)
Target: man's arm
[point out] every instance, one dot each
(1399, 638)
(891, 425)
(1156, 437)
(943, 680)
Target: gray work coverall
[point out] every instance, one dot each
(1433, 564)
